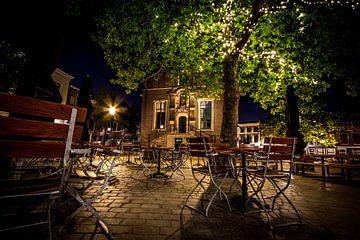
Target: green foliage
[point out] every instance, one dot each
(130, 34)
(290, 44)
(286, 49)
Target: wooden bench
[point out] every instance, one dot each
(43, 132)
(347, 164)
(343, 162)
(304, 162)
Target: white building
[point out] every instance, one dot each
(62, 81)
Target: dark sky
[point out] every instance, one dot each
(80, 56)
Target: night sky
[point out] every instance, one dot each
(81, 56)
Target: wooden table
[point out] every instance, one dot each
(243, 151)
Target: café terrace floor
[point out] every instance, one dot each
(135, 210)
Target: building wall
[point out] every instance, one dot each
(175, 110)
(248, 132)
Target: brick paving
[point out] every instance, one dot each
(140, 210)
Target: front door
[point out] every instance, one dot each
(182, 124)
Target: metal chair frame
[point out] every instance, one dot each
(26, 119)
(277, 150)
(217, 174)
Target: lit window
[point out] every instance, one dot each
(73, 97)
(160, 111)
(205, 114)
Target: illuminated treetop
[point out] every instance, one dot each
(223, 47)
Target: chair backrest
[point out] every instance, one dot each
(34, 128)
(197, 146)
(280, 149)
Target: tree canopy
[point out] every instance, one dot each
(230, 47)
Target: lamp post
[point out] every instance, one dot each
(112, 111)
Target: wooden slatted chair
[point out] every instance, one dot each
(28, 130)
(274, 167)
(208, 172)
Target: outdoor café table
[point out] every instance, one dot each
(244, 195)
(158, 173)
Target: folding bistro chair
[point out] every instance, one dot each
(92, 170)
(145, 159)
(277, 151)
(208, 172)
(176, 161)
(28, 131)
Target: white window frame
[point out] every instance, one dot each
(155, 111)
(212, 114)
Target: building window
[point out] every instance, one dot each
(160, 114)
(58, 85)
(183, 99)
(205, 114)
(73, 97)
(356, 137)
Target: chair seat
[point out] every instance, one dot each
(269, 173)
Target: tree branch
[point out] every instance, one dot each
(248, 27)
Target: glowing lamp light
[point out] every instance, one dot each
(112, 110)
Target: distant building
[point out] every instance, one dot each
(168, 116)
(72, 95)
(62, 81)
(349, 140)
(248, 132)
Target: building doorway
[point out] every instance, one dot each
(182, 124)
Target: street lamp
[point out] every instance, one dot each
(112, 111)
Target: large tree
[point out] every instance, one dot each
(221, 47)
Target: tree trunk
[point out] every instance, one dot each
(231, 102)
(231, 88)
(292, 119)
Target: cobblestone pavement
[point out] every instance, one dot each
(140, 210)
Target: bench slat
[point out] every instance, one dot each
(38, 129)
(32, 149)
(37, 107)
